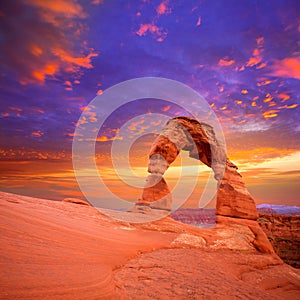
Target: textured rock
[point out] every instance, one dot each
(233, 198)
(53, 250)
(259, 241)
(283, 231)
(76, 201)
(284, 234)
(182, 133)
(156, 193)
(198, 216)
(184, 274)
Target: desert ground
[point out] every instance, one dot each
(66, 250)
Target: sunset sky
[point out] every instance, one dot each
(243, 57)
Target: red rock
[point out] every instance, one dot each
(156, 193)
(76, 201)
(183, 133)
(52, 250)
(260, 240)
(233, 198)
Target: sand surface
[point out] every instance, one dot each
(60, 250)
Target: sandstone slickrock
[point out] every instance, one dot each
(233, 198)
(183, 133)
(55, 250)
(157, 190)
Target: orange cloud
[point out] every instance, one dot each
(293, 105)
(259, 154)
(225, 63)
(270, 113)
(39, 74)
(262, 65)
(256, 54)
(290, 106)
(264, 82)
(283, 97)
(133, 125)
(48, 47)
(104, 138)
(288, 67)
(84, 62)
(254, 60)
(268, 98)
(53, 10)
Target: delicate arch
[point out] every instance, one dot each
(183, 133)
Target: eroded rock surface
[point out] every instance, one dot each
(183, 133)
(233, 198)
(58, 250)
(284, 235)
(76, 201)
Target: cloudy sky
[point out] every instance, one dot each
(56, 56)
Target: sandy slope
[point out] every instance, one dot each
(57, 250)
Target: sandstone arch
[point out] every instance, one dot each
(183, 133)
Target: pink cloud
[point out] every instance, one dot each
(37, 133)
(288, 67)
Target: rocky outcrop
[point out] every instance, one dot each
(284, 235)
(234, 203)
(283, 231)
(156, 193)
(76, 201)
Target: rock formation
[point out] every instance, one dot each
(195, 216)
(76, 201)
(233, 198)
(283, 232)
(183, 133)
(235, 206)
